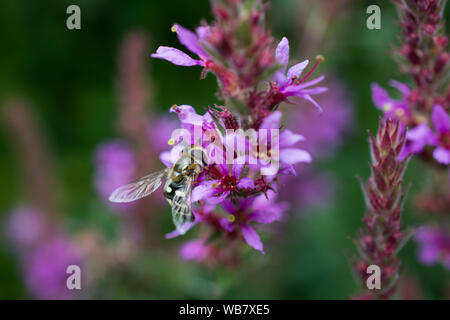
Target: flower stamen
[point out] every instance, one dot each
(319, 58)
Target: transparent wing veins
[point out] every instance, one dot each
(139, 188)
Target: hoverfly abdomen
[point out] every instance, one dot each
(171, 187)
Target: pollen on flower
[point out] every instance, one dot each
(174, 28)
(231, 218)
(214, 185)
(320, 58)
(171, 142)
(387, 107)
(174, 107)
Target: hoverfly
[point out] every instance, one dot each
(177, 190)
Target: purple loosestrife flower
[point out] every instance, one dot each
(262, 209)
(434, 246)
(290, 83)
(217, 190)
(396, 109)
(288, 153)
(196, 42)
(191, 41)
(238, 49)
(281, 149)
(422, 136)
(45, 268)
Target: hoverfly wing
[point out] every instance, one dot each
(139, 188)
(181, 207)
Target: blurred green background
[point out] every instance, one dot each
(70, 78)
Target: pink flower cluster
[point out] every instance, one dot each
(231, 195)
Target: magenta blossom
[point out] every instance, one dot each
(191, 41)
(291, 84)
(288, 153)
(397, 109)
(434, 246)
(262, 209)
(216, 191)
(270, 146)
(422, 136)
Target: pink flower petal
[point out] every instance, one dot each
(403, 88)
(237, 169)
(190, 40)
(310, 99)
(442, 155)
(218, 199)
(293, 156)
(203, 32)
(272, 121)
(246, 183)
(176, 57)
(282, 52)
(166, 158)
(379, 96)
(441, 120)
(180, 231)
(252, 238)
(265, 217)
(311, 83)
(296, 70)
(187, 115)
(204, 190)
(288, 138)
(422, 134)
(287, 169)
